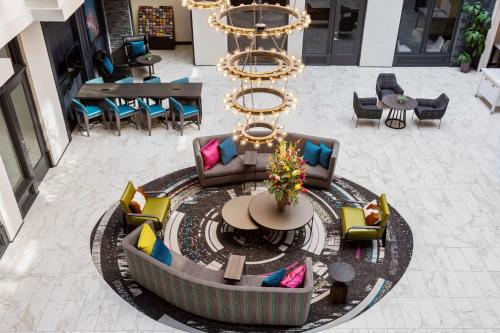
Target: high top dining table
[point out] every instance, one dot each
(187, 91)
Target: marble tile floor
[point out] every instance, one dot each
(446, 183)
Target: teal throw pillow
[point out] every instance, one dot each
(227, 150)
(311, 153)
(108, 65)
(274, 279)
(324, 155)
(138, 48)
(162, 253)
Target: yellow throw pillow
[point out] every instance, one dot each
(147, 239)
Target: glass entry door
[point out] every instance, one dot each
(22, 147)
(335, 33)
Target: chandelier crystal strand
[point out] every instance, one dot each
(205, 4)
(243, 65)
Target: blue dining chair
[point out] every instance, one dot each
(151, 111)
(128, 101)
(182, 80)
(154, 80)
(120, 112)
(186, 113)
(87, 112)
(97, 80)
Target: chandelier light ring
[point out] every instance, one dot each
(287, 101)
(301, 21)
(271, 132)
(205, 4)
(286, 66)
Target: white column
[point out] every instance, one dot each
(380, 32)
(296, 39)
(209, 45)
(492, 37)
(44, 90)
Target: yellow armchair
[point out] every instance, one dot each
(354, 226)
(156, 209)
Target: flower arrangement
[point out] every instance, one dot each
(287, 172)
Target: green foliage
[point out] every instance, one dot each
(475, 34)
(464, 58)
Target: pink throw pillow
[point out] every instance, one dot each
(295, 278)
(210, 154)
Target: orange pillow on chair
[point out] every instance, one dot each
(372, 213)
(138, 201)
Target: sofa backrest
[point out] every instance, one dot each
(298, 139)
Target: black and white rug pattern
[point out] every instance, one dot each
(195, 229)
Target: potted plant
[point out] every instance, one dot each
(464, 59)
(401, 99)
(476, 31)
(287, 172)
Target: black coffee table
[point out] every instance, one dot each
(150, 62)
(341, 274)
(397, 115)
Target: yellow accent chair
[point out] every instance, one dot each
(354, 226)
(156, 209)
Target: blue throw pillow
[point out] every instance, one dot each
(108, 65)
(311, 153)
(227, 150)
(274, 279)
(324, 155)
(138, 48)
(161, 252)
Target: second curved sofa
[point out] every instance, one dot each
(202, 291)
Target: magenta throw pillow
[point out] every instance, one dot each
(295, 278)
(210, 154)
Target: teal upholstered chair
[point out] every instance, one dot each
(97, 80)
(85, 113)
(120, 112)
(182, 80)
(151, 111)
(186, 113)
(128, 79)
(153, 80)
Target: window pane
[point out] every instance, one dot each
(26, 123)
(348, 27)
(441, 27)
(316, 36)
(411, 28)
(8, 155)
(247, 19)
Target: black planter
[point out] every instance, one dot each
(465, 68)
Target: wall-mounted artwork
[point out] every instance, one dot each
(91, 19)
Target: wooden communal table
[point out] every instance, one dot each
(187, 91)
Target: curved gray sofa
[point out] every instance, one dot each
(202, 291)
(235, 171)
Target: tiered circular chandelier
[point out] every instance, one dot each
(260, 125)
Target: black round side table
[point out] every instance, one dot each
(341, 274)
(397, 115)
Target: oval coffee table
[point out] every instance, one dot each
(397, 115)
(235, 213)
(264, 211)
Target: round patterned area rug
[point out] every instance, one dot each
(195, 229)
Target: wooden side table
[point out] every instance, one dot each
(341, 274)
(234, 268)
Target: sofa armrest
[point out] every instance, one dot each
(198, 161)
(333, 159)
